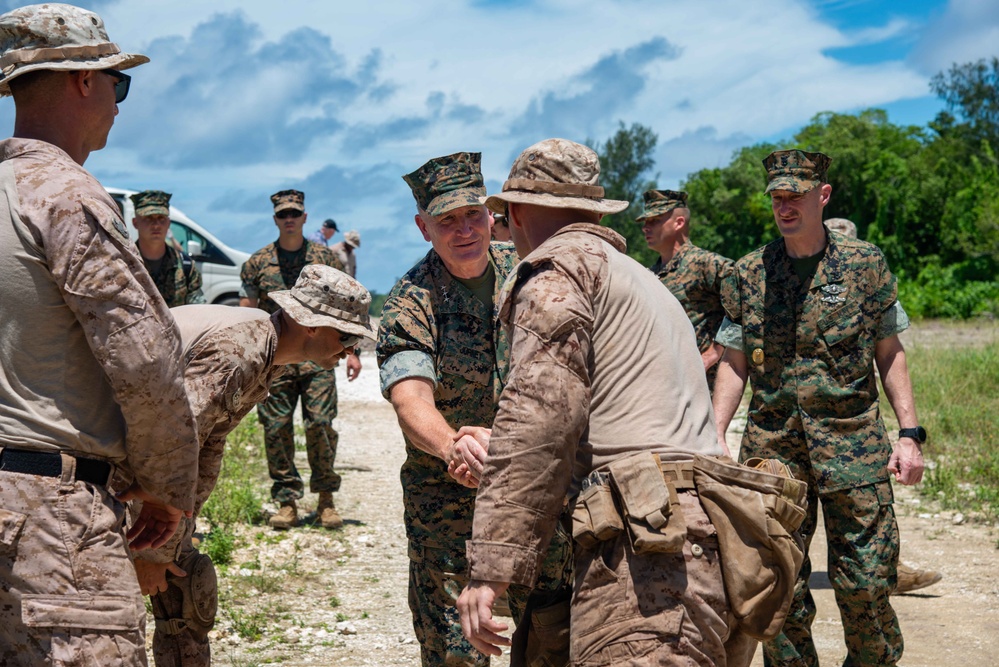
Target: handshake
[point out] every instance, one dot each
(466, 457)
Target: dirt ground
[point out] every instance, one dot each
(309, 596)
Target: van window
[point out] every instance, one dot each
(209, 253)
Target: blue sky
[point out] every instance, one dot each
(244, 97)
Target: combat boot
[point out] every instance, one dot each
(287, 516)
(326, 512)
(912, 579)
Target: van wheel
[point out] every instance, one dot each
(228, 301)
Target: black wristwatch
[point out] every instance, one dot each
(918, 434)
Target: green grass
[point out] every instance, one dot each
(957, 400)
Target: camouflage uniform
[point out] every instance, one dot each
(229, 355)
(178, 279)
(810, 350)
(433, 327)
(90, 367)
(263, 273)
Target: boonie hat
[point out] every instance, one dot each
(285, 200)
(329, 223)
(151, 202)
(795, 170)
(448, 182)
(326, 297)
(352, 238)
(843, 226)
(55, 36)
(660, 202)
(557, 173)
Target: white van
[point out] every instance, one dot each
(218, 263)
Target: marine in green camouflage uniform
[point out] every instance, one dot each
(270, 269)
(694, 275)
(176, 276)
(806, 317)
(437, 334)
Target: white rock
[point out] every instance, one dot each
(957, 519)
(925, 516)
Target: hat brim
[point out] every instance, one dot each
(497, 203)
(792, 184)
(453, 199)
(310, 317)
(289, 207)
(118, 61)
(150, 211)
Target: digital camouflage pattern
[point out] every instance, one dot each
(446, 183)
(696, 278)
(575, 312)
(262, 274)
(229, 355)
(810, 351)
(661, 202)
(90, 365)
(795, 171)
(285, 200)
(178, 279)
(151, 202)
(434, 327)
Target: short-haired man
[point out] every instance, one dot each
(325, 232)
(604, 371)
(440, 362)
(344, 251)
(694, 275)
(276, 267)
(232, 355)
(501, 228)
(174, 272)
(91, 379)
(808, 317)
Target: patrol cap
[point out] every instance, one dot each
(329, 223)
(326, 297)
(448, 182)
(843, 226)
(55, 36)
(795, 170)
(352, 238)
(660, 202)
(557, 173)
(286, 200)
(151, 202)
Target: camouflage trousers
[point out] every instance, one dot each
(657, 608)
(276, 414)
(186, 645)
(862, 535)
(436, 578)
(68, 592)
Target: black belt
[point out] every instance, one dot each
(49, 464)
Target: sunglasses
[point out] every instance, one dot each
(348, 340)
(288, 215)
(123, 81)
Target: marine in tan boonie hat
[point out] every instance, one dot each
(286, 200)
(55, 36)
(795, 170)
(151, 202)
(352, 238)
(661, 202)
(557, 173)
(445, 183)
(325, 297)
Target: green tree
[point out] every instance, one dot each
(625, 164)
(971, 91)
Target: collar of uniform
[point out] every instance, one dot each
(830, 269)
(453, 297)
(605, 233)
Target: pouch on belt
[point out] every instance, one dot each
(651, 507)
(595, 517)
(757, 509)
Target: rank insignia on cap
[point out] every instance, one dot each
(758, 356)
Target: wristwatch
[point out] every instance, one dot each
(918, 434)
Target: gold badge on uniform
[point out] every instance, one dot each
(758, 356)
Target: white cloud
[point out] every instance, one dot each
(967, 31)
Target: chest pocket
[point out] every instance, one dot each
(848, 342)
(841, 326)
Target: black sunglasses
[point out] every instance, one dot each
(123, 81)
(285, 215)
(348, 340)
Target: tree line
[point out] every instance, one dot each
(927, 196)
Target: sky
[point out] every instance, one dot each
(243, 98)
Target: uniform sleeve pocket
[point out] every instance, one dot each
(11, 524)
(105, 612)
(460, 361)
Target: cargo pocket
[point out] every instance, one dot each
(108, 613)
(11, 524)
